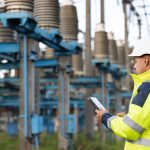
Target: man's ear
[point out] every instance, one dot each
(147, 60)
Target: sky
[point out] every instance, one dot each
(114, 18)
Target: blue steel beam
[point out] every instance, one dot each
(24, 23)
(49, 80)
(110, 85)
(9, 66)
(53, 39)
(85, 80)
(105, 66)
(9, 80)
(52, 88)
(17, 80)
(126, 94)
(102, 65)
(72, 86)
(46, 63)
(7, 57)
(43, 103)
(123, 72)
(10, 47)
(4, 91)
(74, 81)
(19, 21)
(9, 103)
(43, 63)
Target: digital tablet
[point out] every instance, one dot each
(96, 103)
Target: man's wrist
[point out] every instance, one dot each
(105, 117)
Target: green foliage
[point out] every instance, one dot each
(84, 143)
(50, 142)
(8, 143)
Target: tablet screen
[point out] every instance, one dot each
(97, 103)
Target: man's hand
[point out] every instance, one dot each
(120, 114)
(99, 114)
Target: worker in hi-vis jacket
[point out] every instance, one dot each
(135, 125)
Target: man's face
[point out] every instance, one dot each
(139, 65)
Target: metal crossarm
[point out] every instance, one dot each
(24, 23)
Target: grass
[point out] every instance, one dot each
(8, 143)
(50, 142)
(83, 143)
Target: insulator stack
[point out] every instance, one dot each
(46, 13)
(2, 10)
(19, 5)
(6, 34)
(100, 43)
(68, 21)
(69, 31)
(2, 6)
(121, 53)
(112, 49)
(77, 64)
(109, 78)
(49, 53)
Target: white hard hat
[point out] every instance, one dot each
(141, 47)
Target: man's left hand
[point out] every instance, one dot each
(99, 114)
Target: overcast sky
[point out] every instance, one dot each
(114, 18)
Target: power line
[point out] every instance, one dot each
(146, 18)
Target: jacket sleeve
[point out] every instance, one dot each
(137, 120)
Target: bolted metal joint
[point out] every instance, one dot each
(67, 68)
(33, 55)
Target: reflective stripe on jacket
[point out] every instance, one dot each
(135, 125)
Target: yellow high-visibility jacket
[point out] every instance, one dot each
(135, 125)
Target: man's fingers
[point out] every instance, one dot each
(98, 117)
(121, 114)
(96, 110)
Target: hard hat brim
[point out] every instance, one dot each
(133, 55)
(137, 55)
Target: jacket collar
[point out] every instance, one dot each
(141, 77)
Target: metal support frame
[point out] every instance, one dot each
(40, 63)
(25, 80)
(24, 23)
(63, 106)
(46, 63)
(107, 67)
(49, 103)
(103, 88)
(64, 101)
(10, 47)
(76, 82)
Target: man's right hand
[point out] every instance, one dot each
(120, 114)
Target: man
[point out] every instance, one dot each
(135, 125)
